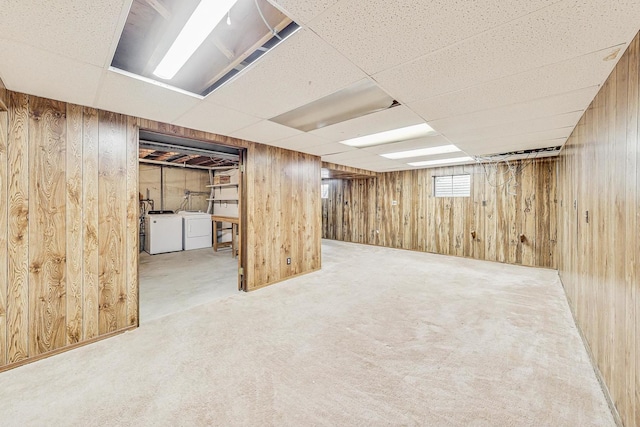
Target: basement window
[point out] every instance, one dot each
(452, 185)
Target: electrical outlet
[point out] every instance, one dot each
(288, 261)
(394, 203)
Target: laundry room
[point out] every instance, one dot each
(189, 196)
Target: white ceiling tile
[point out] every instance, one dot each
(413, 144)
(573, 101)
(461, 167)
(30, 70)
(285, 143)
(397, 168)
(349, 163)
(127, 95)
(375, 166)
(372, 161)
(382, 169)
(330, 148)
(527, 141)
(78, 29)
(486, 72)
(573, 28)
(215, 119)
(363, 162)
(391, 118)
(576, 73)
(303, 11)
(532, 137)
(435, 157)
(311, 144)
(379, 34)
(360, 166)
(516, 128)
(301, 69)
(265, 132)
(302, 139)
(451, 161)
(349, 155)
(487, 148)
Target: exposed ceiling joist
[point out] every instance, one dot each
(160, 8)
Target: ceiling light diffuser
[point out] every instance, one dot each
(201, 23)
(357, 100)
(442, 161)
(395, 135)
(442, 149)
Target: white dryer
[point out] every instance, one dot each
(163, 233)
(196, 230)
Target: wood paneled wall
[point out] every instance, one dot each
(69, 222)
(333, 170)
(282, 216)
(398, 210)
(3, 97)
(599, 217)
(68, 203)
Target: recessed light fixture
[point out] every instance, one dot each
(442, 149)
(357, 100)
(187, 45)
(442, 161)
(395, 135)
(201, 23)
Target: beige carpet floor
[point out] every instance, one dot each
(378, 337)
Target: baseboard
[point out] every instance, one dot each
(283, 279)
(65, 349)
(441, 254)
(594, 365)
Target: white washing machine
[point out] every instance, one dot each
(163, 233)
(196, 230)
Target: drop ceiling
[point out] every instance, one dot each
(490, 76)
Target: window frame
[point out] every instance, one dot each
(452, 191)
(324, 191)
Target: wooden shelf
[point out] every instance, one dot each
(221, 218)
(221, 185)
(222, 200)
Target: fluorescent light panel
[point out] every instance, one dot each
(155, 82)
(441, 161)
(201, 23)
(357, 100)
(442, 149)
(395, 135)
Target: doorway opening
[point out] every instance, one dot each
(190, 223)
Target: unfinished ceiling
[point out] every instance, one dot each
(176, 151)
(490, 76)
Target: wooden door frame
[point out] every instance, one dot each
(241, 202)
(242, 214)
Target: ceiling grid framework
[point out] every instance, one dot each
(489, 76)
